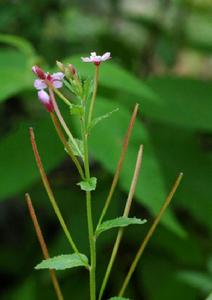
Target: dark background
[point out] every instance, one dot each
(162, 60)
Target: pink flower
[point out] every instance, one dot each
(96, 59)
(46, 100)
(56, 79)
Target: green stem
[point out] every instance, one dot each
(51, 196)
(96, 78)
(62, 97)
(66, 145)
(125, 214)
(149, 235)
(92, 239)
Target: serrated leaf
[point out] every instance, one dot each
(76, 110)
(62, 262)
(95, 121)
(74, 148)
(88, 185)
(119, 222)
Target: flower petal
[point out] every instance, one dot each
(106, 56)
(57, 76)
(40, 84)
(46, 100)
(86, 59)
(57, 84)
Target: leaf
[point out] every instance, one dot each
(21, 44)
(76, 110)
(107, 151)
(18, 168)
(116, 77)
(88, 185)
(198, 280)
(74, 148)
(119, 298)
(182, 99)
(186, 153)
(15, 73)
(209, 297)
(62, 262)
(118, 222)
(95, 121)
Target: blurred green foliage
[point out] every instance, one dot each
(161, 59)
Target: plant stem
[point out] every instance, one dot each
(43, 246)
(92, 241)
(62, 97)
(125, 214)
(96, 78)
(66, 145)
(51, 195)
(62, 122)
(149, 234)
(119, 165)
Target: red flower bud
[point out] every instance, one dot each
(39, 72)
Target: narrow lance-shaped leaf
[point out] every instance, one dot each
(62, 262)
(119, 222)
(95, 121)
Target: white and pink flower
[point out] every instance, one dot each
(43, 81)
(96, 59)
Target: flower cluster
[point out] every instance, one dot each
(55, 80)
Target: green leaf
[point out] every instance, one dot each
(186, 102)
(209, 297)
(76, 110)
(18, 168)
(62, 262)
(88, 185)
(95, 121)
(119, 298)
(115, 77)
(198, 280)
(15, 73)
(21, 44)
(119, 222)
(107, 151)
(74, 148)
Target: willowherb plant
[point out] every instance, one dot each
(84, 93)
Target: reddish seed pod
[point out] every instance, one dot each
(72, 69)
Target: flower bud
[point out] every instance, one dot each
(72, 69)
(46, 100)
(61, 66)
(39, 72)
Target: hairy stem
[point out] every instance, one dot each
(125, 214)
(43, 246)
(149, 235)
(119, 165)
(92, 241)
(51, 196)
